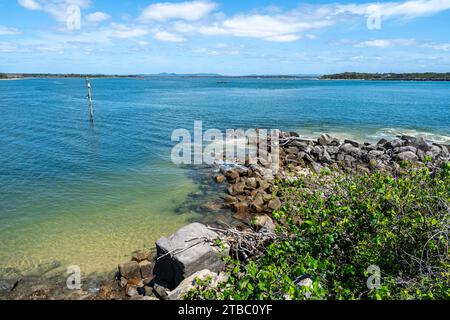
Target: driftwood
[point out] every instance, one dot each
(246, 244)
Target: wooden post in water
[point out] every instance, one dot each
(89, 97)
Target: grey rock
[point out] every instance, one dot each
(375, 154)
(317, 168)
(132, 291)
(353, 143)
(7, 285)
(187, 251)
(263, 222)
(146, 269)
(349, 148)
(325, 157)
(130, 270)
(404, 149)
(326, 140)
(435, 150)
(274, 204)
(407, 156)
(161, 289)
(301, 145)
(141, 255)
(394, 144)
(332, 150)
(445, 151)
(189, 283)
(420, 143)
(292, 150)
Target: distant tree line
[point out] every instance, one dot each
(65, 75)
(428, 76)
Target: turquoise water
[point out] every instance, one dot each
(89, 196)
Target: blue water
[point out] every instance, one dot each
(90, 195)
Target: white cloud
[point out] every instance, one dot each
(30, 4)
(188, 10)
(168, 37)
(278, 28)
(122, 31)
(437, 46)
(97, 17)
(414, 8)
(6, 47)
(6, 31)
(384, 43)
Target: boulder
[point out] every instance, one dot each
(236, 189)
(141, 255)
(353, 143)
(130, 269)
(302, 146)
(241, 210)
(375, 154)
(325, 139)
(445, 151)
(211, 206)
(132, 291)
(405, 148)
(349, 148)
(417, 142)
(161, 290)
(263, 222)
(407, 156)
(146, 269)
(190, 282)
(252, 183)
(325, 157)
(332, 149)
(394, 144)
(274, 204)
(187, 251)
(263, 184)
(232, 175)
(435, 150)
(220, 178)
(7, 285)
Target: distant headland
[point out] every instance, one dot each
(428, 76)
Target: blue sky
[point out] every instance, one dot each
(228, 37)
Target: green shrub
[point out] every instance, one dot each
(339, 224)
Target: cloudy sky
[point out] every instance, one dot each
(224, 36)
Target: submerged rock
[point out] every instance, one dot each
(130, 270)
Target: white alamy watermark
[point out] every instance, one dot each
(374, 280)
(373, 13)
(73, 20)
(73, 282)
(233, 146)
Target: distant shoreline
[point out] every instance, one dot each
(348, 76)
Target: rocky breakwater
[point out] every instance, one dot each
(197, 251)
(251, 193)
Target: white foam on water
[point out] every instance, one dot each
(392, 133)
